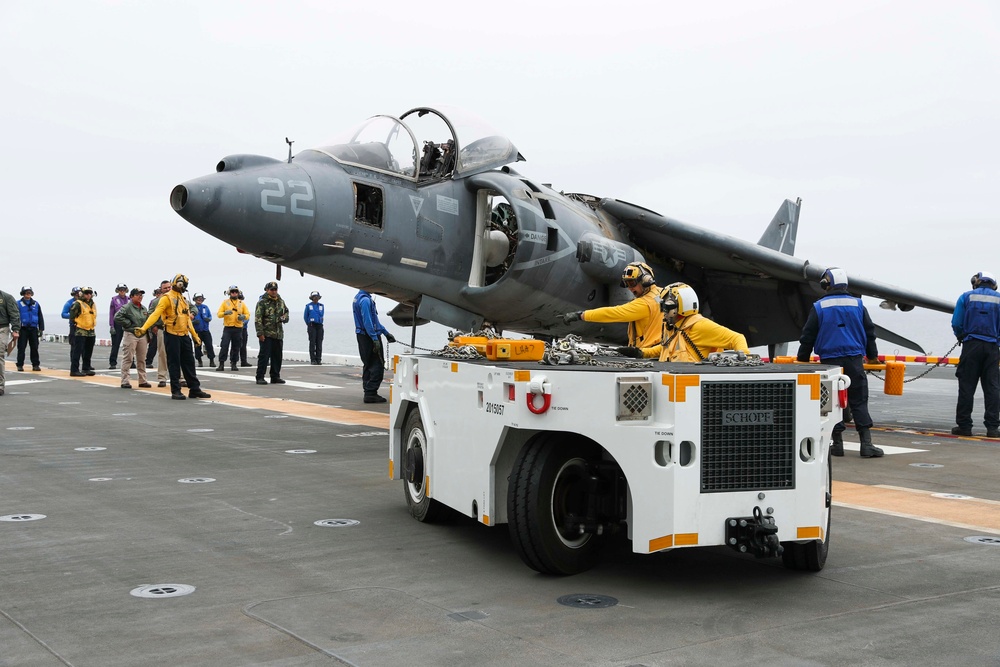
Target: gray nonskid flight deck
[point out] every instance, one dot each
(259, 537)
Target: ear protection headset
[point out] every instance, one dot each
(679, 296)
(833, 277)
(637, 273)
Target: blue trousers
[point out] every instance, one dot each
(978, 365)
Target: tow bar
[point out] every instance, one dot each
(757, 534)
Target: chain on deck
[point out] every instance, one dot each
(571, 350)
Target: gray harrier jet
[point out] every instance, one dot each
(426, 209)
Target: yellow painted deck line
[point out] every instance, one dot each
(972, 514)
(931, 493)
(302, 409)
(286, 406)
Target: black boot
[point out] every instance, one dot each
(837, 448)
(222, 366)
(868, 450)
(232, 367)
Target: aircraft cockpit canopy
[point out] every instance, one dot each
(424, 144)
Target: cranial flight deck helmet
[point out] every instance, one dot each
(26, 289)
(984, 278)
(833, 277)
(637, 273)
(680, 297)
(179, 283)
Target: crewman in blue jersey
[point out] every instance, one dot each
(842, 332)
(370, 331)
(313, 316)
(201, 315)
(32, 328)
(976, 323)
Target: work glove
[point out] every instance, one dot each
(633, 352)
(197, 341)
(112, 332)
(575, 316)
(240, 318)
(389, 337)
(230, 312)
(139, 333)
(377, 348)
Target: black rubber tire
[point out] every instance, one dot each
(544, 486)
(811, 556)
(422, 508)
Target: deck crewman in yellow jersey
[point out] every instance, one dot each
(645, 321)
(234, 314)
(178, 331)
(687, 334)
(83, 314)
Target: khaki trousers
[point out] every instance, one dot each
(161, 357)
(133, 348)
(4, 339)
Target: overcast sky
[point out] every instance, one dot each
(882, 116)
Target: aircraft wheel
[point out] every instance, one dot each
(811, 556)
(548, 483)
(415, 480)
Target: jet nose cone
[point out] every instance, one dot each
(178, 198)
(196, 201)
(259, 205)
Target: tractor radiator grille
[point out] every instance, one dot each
(747, 436)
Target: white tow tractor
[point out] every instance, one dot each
(678, 454)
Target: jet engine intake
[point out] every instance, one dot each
(497, 245)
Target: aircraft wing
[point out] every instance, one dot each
(712, 252)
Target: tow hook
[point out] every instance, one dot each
(757, 534)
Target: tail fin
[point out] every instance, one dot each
(780, 234)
